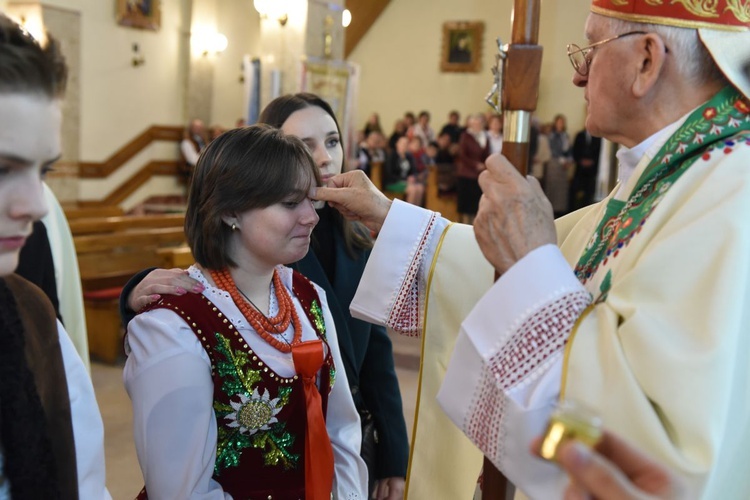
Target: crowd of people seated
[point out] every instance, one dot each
(567, 169)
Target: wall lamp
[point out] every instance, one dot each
(208, 42)
(272, 9)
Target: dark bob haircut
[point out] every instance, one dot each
(242, 169)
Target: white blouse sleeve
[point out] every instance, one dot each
(343, 424)
(168, 378)
(88, 428)
(393, 285)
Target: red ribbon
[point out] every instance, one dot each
(308, 358)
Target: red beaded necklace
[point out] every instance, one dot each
(264, 326)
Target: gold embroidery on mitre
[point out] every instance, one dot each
(666, 21)
(654, 3)
(740, 9)
(619, 3)
(700, 8)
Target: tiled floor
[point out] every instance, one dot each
(124, 478)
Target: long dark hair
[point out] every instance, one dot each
(356, 236)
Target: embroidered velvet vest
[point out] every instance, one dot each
(261, 417)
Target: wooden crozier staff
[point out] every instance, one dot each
(517, 89)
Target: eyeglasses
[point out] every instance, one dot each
(580, 58)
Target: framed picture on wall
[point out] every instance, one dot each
(143, 14)
(462, 46)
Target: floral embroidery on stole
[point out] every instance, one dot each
(715, 126)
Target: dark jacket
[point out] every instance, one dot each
(470, 154)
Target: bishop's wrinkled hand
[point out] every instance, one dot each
(514, 217)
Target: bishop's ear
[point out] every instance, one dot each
(652, 53)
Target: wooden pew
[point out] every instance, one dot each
(376, 174)
(180, 257)
(106, 262)
(98, 225)
(73, 212)
(445, 203)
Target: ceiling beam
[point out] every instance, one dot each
(364, 15)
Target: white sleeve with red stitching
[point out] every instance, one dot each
(393, 285)
(504, 375)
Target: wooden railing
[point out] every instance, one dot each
(92, 170)
(138, 179)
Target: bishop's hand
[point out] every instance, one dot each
(514, 217)
(356, 197)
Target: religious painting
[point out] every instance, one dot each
(143, 14)
(462, 46)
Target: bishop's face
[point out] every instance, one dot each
(611, 71)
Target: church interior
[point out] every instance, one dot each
(140, 72)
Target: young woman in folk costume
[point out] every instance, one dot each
(336, 261)
(233, 389)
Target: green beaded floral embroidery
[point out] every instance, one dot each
(251, 414)
(317, 313)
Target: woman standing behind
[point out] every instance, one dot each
(336, 260)
(233, 389)
(473, 149)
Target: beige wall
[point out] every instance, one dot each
(238, 20)
(400, 60)
(119, 101)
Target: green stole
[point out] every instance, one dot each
(716, 126)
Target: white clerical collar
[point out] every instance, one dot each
(630, 158)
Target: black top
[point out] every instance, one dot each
(36, 265)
